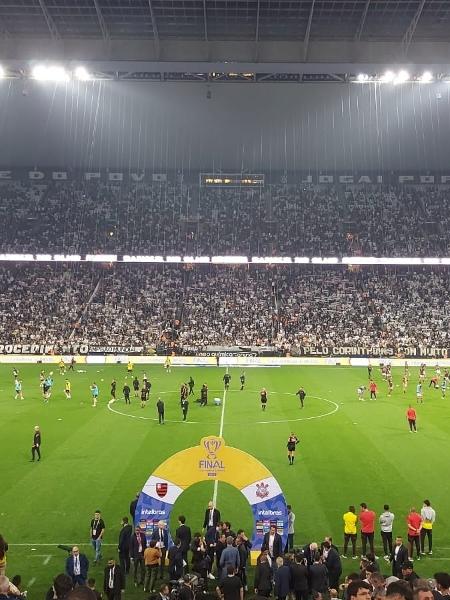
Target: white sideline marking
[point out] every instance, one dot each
(47, 559)
(222, 418)
(30, 583)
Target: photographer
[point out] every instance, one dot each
(186, 591)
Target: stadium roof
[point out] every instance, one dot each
(284, 20)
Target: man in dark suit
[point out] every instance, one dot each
(263, 578)
(183, 533)
(273, 543)
(124, 545)
(212, 516)
(77, 566)
(333, 564)
(399, 556)
(299, 576)
(161, 538)
(309, 552)
(175, 557)
(114, 581)
(137, 546)
(133, 505)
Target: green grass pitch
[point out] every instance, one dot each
(95, 458)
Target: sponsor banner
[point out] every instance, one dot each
(149, 511)
(225, 353)
(267, 513)
(159, 488)
(265, 489)
(43, 175)
(374, 351)
(125, 350)
(213, 460)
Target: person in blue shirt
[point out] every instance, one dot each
(94, 392)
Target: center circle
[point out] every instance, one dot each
(333, 408)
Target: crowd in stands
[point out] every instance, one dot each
(166, 218)
(284, 307)
(216, 561)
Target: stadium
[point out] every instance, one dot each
(224, 299)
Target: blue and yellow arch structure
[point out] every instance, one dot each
(213, 460)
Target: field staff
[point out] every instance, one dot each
(36, 447)
(428, 515)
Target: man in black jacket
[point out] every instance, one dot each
(185, 536)
(273, 543)
(399, 556)
(333, 565)
(133, 505)
(36, 447)
(124, 545)
(263, 578)
(212, 516)
(137, 546)
(175, 557)
(299, 576)
(114, 580)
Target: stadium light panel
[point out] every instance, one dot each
(426, 77)
(2, 72)
(229, 260)
(402, 77)
(387, 77)
(101, 257)
(82, 74)
(362, 77)
(50, 73)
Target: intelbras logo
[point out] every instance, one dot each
(152, 511)
(270, 513)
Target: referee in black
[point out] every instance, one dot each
(36, 447)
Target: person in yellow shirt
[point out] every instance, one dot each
(130, 368)
(350, 519)
(152, 556)
(68, 389)
(428, 515)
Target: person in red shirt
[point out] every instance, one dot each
(411, 415)
(414, 521)
(367, 520)
(373, 390)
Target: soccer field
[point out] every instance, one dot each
(98, 458)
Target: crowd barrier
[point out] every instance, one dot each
(224, 361)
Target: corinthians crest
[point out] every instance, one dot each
(262, 490)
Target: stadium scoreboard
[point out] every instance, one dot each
(231, 180)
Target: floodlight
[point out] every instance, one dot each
(387, 77)
(362, 77)
(402, 77)
(51, 73)
(82, 74)
(2, 72)
(426, 77)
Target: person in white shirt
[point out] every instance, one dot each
(291, 530)
(386, 520)
(428, 515)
